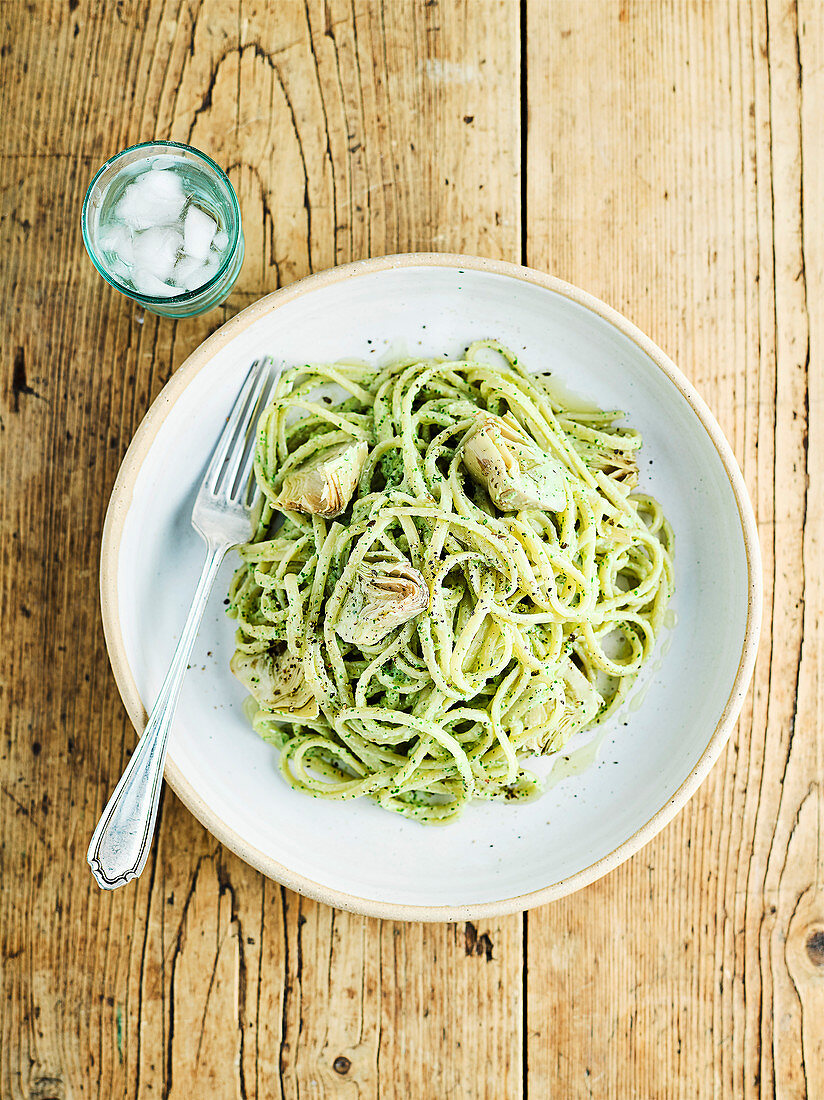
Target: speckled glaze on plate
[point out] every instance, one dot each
(498, 858)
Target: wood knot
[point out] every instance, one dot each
(341, 1064)
(46, 1088)
(475, 944)
(815, 947)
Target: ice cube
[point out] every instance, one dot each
(165, 160)
(198, 231)
(189, 273)
(163, 182)
(147, 283)
(193, 274)
(155, 198)
(117, 239)
(220, 241)
(210, 268)
(156, 250)
(131, 209)
(196, 279)
(119, 269)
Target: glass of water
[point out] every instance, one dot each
(161, 222)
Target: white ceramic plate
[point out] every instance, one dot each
(499, 857)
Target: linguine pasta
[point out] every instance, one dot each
(450, 572)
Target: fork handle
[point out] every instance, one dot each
(120, 844)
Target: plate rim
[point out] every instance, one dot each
(120, 502)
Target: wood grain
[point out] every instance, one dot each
(666, 157)
(348, 130)
(677, 190)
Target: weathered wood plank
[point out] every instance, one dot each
(348, 129)
(672, 186)
(683, 185)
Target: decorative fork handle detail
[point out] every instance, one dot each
(121, 842)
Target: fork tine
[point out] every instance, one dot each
(245, 435)
(241, 487)
(236, 419)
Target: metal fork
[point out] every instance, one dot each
(121, 842)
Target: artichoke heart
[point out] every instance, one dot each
(583, 701)
(387, 593)
(325, 483)
(511, 466)
(275, 679)
(621, 466)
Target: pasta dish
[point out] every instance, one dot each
(450, 573)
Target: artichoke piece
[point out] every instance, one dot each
(324, 484)
(621, 466)
(583, 701)
(275, 680)
(511, 466)
(387, 593)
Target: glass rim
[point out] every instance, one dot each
(129, 292)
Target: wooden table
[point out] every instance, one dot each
(666, 157)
